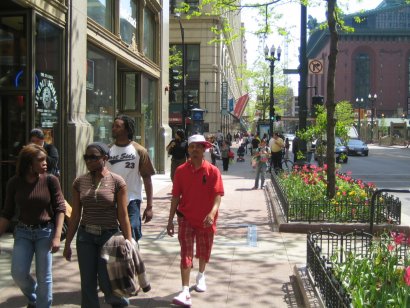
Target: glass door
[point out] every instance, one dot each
(13, 129)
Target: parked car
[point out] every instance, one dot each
(357, 147)
(340, 150)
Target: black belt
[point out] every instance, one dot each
(37, 226)
(97, 230)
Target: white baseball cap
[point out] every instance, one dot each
(199, 139)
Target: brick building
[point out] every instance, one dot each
(373, 59)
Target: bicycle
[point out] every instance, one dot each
(287, 165)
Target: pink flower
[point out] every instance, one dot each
(407, 276)
(397, 237)
(390, 247)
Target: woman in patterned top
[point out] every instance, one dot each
(99, 209)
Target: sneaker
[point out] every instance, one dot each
(200, 284)
(183, 299)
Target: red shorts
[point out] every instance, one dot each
(187, 235)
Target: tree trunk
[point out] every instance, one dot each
(330, 101)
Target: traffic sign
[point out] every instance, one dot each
(315, 67)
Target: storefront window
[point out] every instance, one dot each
(48, 65)
(148, 110)
(13, 52)
(100, 93)
(129, 20)
(130, 91)
(102, 12)
(149, 34)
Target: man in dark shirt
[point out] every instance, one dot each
(37, 136)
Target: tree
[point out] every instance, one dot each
(344, 119)
(330, 99)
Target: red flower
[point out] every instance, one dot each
(390, 247)
(407, 275)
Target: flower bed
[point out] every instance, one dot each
(357, 270)
(303, 194)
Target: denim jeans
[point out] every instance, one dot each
(28, 242)
(260, 171)
(134, 214)
(93, 267)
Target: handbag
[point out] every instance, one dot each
(231, 154)
(67, 215)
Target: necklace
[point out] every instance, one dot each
(96, 187)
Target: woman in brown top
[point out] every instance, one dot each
(36, 232)
(99, 209)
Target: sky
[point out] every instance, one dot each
(291, 20)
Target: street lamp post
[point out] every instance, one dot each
(359, 103)
(270, 56)
(372, 99)
(178, 16)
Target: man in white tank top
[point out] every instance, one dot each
(131, 160)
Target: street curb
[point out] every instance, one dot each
(310, 294)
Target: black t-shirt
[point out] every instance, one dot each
(179, 150)
(255, 143)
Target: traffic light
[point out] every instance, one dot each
(174, 83)
(317, 100)
(190, 104)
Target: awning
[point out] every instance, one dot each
(175, 118)
(240, 105)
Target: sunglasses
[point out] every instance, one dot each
(91, 157)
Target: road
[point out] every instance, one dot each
(386, 167)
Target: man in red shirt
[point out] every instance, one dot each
(196, 196)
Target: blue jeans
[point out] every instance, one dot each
(92, 266)
(28, 242)
(134, 214)
(260, 172)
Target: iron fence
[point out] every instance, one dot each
(325, 249)
(387, 208)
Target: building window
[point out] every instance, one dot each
(48, 42)
(129, 20)
(102, 12)
(362, 75)
(130, 91)
(175, 4)
(150, 37)
(100, 93)
(13, 52)
(149, 102)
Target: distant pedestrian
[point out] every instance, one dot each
(225, 155)
(40, 213)
(276, 145)
(261, 156)
(255, 143)
(196, 197)
(178, 149)
(36, 136)
(287, 146)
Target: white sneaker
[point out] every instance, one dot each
(183, 299)
(200, 284)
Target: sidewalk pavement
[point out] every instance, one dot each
(251, 263)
